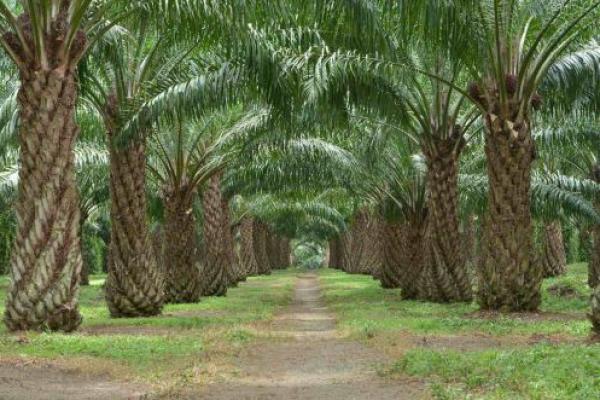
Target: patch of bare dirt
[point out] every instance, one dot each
(527, 317)
(41, 380)
(397, 344)
(142, 330)
(195, 314)
(303, 357)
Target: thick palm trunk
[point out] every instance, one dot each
(450, 280)
(394, 243)
(46, 259)
(594, 265)
(261, 237)
(135, 285)
(334, 260)
(285, 253)
(509, 277)
(217, 257)
(232, 270)
(412, 259)
(86, 254)
(471, 242)
(247, 258)
(183, 281)
(554, 257)
(373, 250)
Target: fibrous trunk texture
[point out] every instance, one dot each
(509, 276)
(373, 251)
(362, 245)
(450, 280)
(274, 251)
(135, 284)
(46, 260)
(394, 244)
(335, 253)
(183, 281)
(232, 270)
(285, 253)
(410, 254)
(261, 237)
(216, 257)
(86, 254)
(470, 240)
(554, 257)
(247, 258)
(594, 266)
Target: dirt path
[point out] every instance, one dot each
(303, 357)
(50, 381)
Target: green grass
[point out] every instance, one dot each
(364, 308)
(183, 331)
(540, 371)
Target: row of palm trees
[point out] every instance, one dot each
(329, 107)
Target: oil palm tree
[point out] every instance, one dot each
(515, 46)
(184, 159)
(46, 42)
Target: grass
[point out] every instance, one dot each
(364, 308)
(567, 369)
(181, 337)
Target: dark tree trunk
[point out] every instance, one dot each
(184, 283)
(247, 258)
(594, 266)
(554, 257)
(509, 277)
(232, 270)
(394, 243)
(217, 256)
(261, 237)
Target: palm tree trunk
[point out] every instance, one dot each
(509, 277)
(447, 267)
(554, 257)
(46, 259)
(183, 281)
(334, 260)
(232, 270)
(413, 258)
(471, 242)
(247, 258)
(393, 248)
(594, 265)
(217, 256)
(85, 253)
(285, 253)
(135, 285)
(373, 250)
(261, 237)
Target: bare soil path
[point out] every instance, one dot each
(51, 381)
(302, 356)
